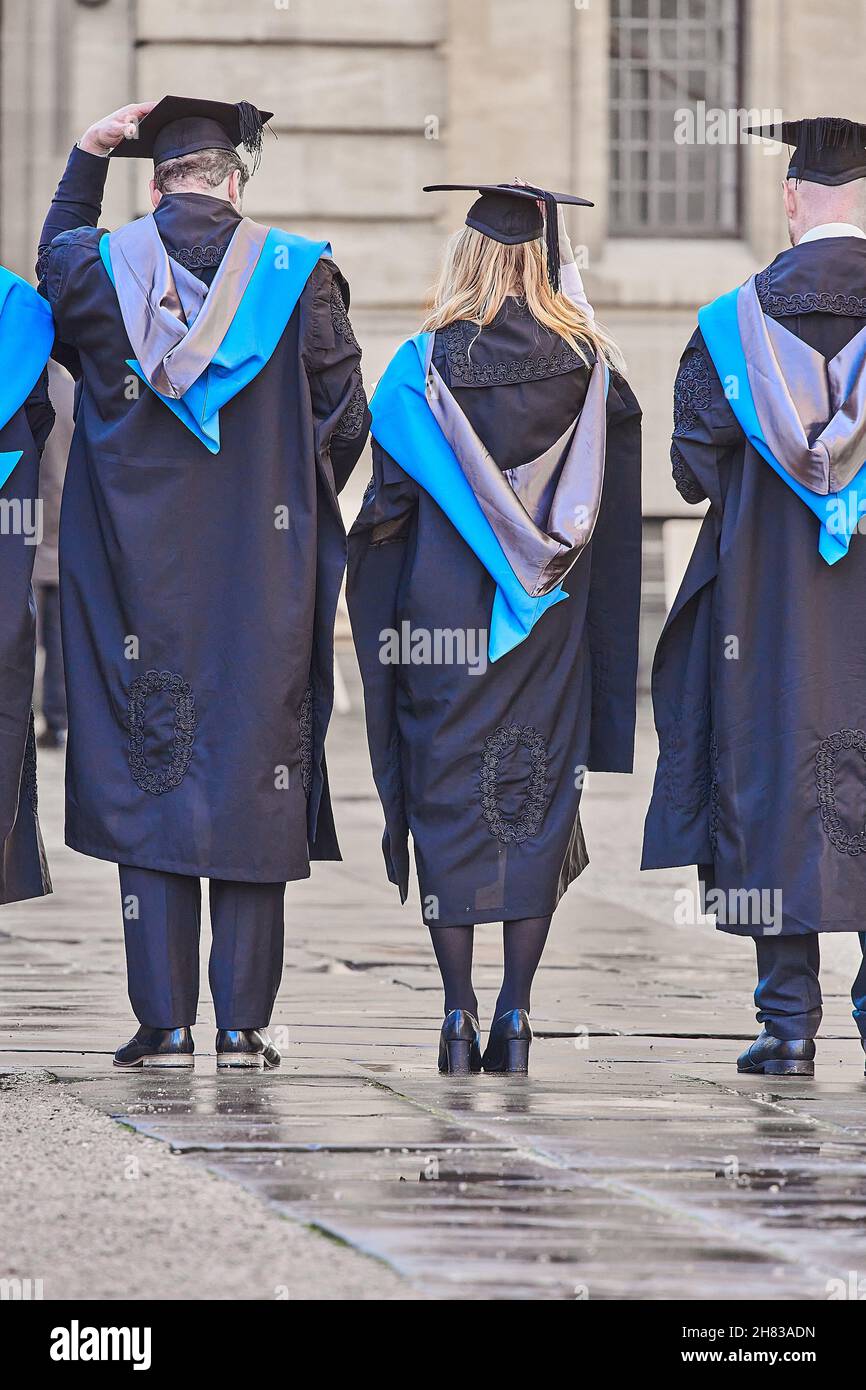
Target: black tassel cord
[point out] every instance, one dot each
(551, 232)
(825, 132)
(832, 131)
(250, 125)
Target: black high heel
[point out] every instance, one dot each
(508, 1044)
(460, 1044)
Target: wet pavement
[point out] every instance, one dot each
(633, 1161)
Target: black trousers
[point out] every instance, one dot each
(161, 927)
(788, 996)
(53, 683)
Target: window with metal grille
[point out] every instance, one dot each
(666, 56)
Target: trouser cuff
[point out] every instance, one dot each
(791, 1027)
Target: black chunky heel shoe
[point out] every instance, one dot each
(508, 1047)
(508, 1044)
(460, 1044)
(769, 1056)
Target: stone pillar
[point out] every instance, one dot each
(64, 63)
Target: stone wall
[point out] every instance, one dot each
(374, 99)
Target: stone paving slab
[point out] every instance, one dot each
(632, 1163)
(534, 1174)
(98, 1213)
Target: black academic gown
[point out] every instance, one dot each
(485, 769)
(199, 590)
(761, 659)
(23, 866)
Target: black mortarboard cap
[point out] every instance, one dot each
(183, 125)
(827, 149)
(509, 213)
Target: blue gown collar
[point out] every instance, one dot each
(26, 338)
(283, 269)
(838, 513)
(405, 427)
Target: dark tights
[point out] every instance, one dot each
(523, 942)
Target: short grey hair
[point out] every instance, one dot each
(210, 168)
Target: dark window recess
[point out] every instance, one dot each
(666, 56)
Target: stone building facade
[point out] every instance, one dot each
(375, 99)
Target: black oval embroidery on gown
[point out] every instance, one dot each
(157, 780)
(825, 778)
(305, 739)
(528, 820)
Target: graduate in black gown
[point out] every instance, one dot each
(26, 417)
(759, 680)
(221, 410)
(494, 583)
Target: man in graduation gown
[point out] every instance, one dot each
(46, 575)
(759, 681)
(26, 417)
(221, 410)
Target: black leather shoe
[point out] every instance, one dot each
(508, 1044)
(157, 1047)
(460, 1044)
(769, 1056)
(245, 1047)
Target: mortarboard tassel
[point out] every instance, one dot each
(250, 124)
(551, 236)
(551, 232)
(835, 131)
(817, 133)
(827, 132)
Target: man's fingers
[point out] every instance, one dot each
(129, 115)
(125, 121)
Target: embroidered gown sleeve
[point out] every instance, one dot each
(613, 605)
(23, 870)
(705, 428)
(332, 357)
(76, 204)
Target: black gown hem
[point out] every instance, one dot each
(790, 927)
(672, 860)
(29, 895)
(162, 865)
(796, 929)
(491, 916)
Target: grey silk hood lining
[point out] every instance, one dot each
(174, 321)
(812, 411)
(544, 512)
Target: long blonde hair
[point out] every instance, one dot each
(478, 274)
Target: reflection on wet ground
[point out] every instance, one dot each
(633, 1162)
